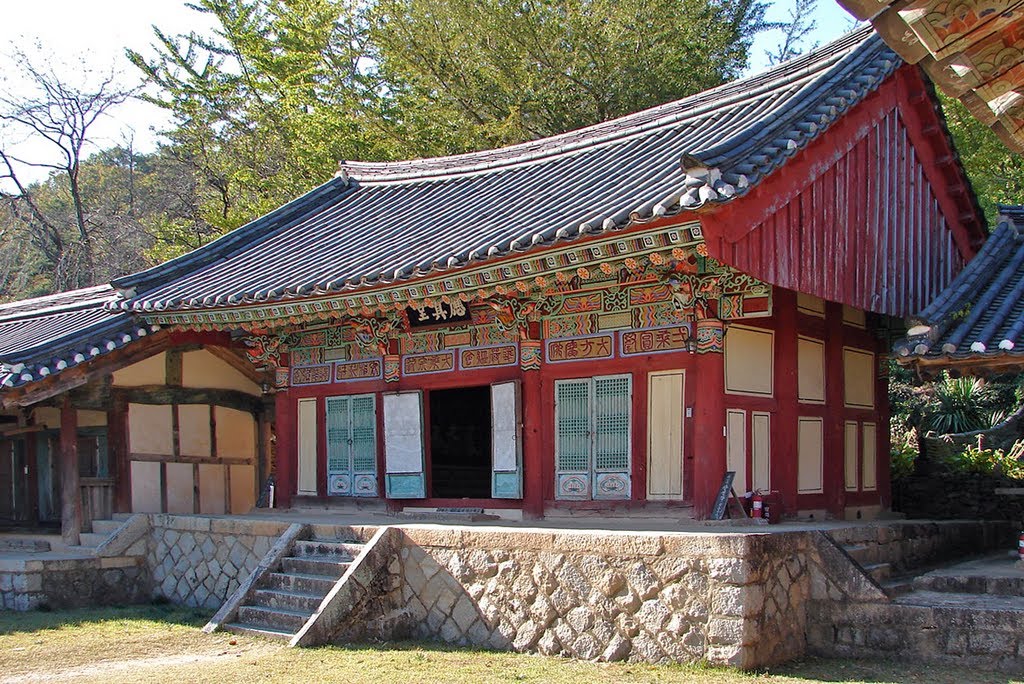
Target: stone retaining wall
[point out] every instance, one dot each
(969, 637)
(731, 599)
(77, 583)
(914, 544)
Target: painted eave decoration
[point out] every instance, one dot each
(376, 226)
(42, 336)
(974, 50)
(977, 323)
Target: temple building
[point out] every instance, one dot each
(605, 320)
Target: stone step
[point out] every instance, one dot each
(327, 566)
(342, 550)
(265, 632)
(280, 619)
(879, 571)
(106, 526)
(289, 600)
(860, 553)
(121, 517)
(897, 587)
(17, 545)
(971, 584)
(92, 539)
(300, 583)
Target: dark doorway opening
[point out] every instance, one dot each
(460, 443)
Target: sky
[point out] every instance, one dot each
(98, 32)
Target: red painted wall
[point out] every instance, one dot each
(876, 213)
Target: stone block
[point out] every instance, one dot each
(549, 645)
(727, 630)
(586, 647)
(618, 649)
(464, 613)
(646, 649)
(653, 615)
(644, 582)
(527, 636)
(991, 643)
(730, 570)
(580, 618)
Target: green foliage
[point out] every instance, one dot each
(282, 90)
(996, 173)
(961, 405)
(497, 73)
(977, 459)
(903, 449)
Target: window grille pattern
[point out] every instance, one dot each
(364, 434)
(572, 401)
(611, 423)
(337, 435)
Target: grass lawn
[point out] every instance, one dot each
(164, 644)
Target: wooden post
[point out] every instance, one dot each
(835, 397)
(287, 452)
(709, 461)
(784, 456)
(117, 449)
(533, 447)
(70, 488)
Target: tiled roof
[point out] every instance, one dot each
(380, 223)
(45, 335)
(981, 314)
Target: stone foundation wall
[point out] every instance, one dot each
(909, 545)
(731, 599)
(988, 639)
(946, 496)
(34, 584)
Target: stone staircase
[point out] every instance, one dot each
(866, 556)
(101, 531)
(284, 599)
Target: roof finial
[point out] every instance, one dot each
(342, 172)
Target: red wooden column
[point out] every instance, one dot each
(70, 487)
(709, 416)
(286, 453)
(835, 397)
(533, 420)
(119, 458)
(784, 457)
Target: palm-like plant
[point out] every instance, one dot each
(959, 405)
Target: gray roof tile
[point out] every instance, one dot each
(45, 335)
(981, 313)
(383, 222)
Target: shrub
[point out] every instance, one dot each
(981, 460)
(903, 449)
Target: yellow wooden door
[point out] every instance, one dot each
(665, 414)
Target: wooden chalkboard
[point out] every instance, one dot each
(722, 500)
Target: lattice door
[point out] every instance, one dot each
(351, 446)
(592, 450)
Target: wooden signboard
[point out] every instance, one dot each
(722, 500)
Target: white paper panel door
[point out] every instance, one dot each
(403, 445)
(307, 447)
(506, 441)
(665, 435)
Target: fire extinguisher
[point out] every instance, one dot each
(1020, 547)
(758, 507)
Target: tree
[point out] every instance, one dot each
(496, 72)
(60, 115)
(795, 32)
(282, 90)
(266, 106)
(996, 173)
